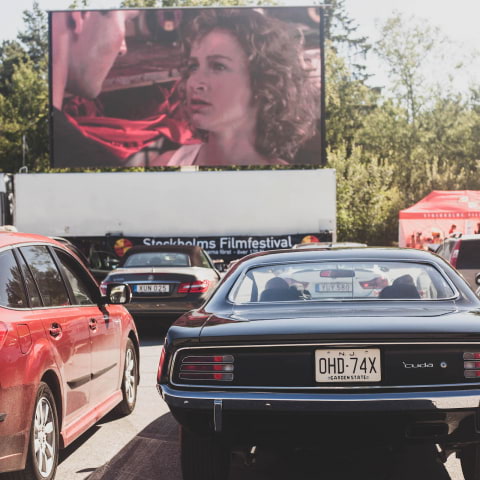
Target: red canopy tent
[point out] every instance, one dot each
(437, 216)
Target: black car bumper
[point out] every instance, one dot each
(440, 416)
(359, 402)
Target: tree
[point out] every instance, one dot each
(406, 45)
(24, 114)
(348, 102)
(367, 199)
(11, 55)
(35, 36)
(24, 94)
(341, 33)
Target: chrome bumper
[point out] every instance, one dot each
(322, 402)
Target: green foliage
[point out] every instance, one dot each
(11, 55)
(341, 34)
(348, 101)
(405, 46)
(367, 199)
(24, 95)
(24, 117)
(422, 137)
(35, 36)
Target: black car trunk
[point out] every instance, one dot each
(347, 322)
(340, 348)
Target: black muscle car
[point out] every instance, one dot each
(327, 347)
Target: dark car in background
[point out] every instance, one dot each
(166, 281)
(463, 253)
(289, 351)
(68, 355)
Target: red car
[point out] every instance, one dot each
(68, 355)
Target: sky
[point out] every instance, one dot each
(458, 20)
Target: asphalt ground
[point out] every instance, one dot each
(145, 446)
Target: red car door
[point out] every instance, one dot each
(104, 329)
(66, 328)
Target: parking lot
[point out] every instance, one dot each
(145, 446)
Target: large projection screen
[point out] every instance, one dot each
(193, 86)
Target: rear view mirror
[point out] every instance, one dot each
(477, 278)
(118, 293)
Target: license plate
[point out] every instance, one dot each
(152, 288)
(358, 365)
(334, 287)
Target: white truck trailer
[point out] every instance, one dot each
(228, 213)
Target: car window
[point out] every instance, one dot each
(83, 291)
(103, 260)
(12, 292)
(204, 261)
(469, 255)
(46, 275)
(341, 280)
(157, 259)
(32, 289)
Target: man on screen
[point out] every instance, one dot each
(85, 45)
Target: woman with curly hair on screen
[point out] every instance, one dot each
(245, 91)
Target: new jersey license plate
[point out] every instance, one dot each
(355, 365)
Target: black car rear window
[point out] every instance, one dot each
(341, 280)
(157, 259)
(469, 254)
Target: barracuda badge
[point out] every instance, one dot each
(418, 365)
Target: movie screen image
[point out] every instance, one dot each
(212, 87)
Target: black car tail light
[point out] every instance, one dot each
(207, 367)
(198, 286)
(471, 364)
(471, 356)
